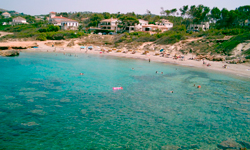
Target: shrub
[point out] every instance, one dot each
(41, 37)
(146, 39)
(171, 39)
(228, 46)
(246, 52)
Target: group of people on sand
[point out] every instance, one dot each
(204, 63)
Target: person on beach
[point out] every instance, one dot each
(149, 60)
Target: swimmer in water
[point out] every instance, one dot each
(81, 74)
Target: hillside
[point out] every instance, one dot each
(3, 10)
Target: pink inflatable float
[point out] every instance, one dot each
(117, 88)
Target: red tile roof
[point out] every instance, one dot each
(52, 12)
(109, 20)
(59, 17)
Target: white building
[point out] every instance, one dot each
(166, 23)
(202, 26)
(154, 28)
(6, 15)
(109, 24)
(63, 22)
(137, 27)
(69, 24)
(19, 20)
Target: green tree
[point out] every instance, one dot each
(64, 14)
(167, 12)
(215, 14)
(184, 10)
(199, 13)
(95, 20)
(106, 15)
(173, 11)
(244, 13)
(128, 21)
(30, 19)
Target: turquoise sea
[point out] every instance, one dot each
(46, 104)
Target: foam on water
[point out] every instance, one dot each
(46, 104)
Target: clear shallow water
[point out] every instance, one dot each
(46, 104)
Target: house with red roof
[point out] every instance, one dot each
(63, 22)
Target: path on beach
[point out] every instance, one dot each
(4, 33)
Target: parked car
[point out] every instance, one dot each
(112, 33)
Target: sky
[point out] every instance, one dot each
(38, 7)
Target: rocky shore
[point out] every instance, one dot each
(8, 53)
(229, 144)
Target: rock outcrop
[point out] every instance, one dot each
(9, 53)
(229, 144)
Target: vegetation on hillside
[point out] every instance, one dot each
(222, 23)
(40, 32)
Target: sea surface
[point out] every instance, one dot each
(46, 104)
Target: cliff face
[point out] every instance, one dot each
(7, 53)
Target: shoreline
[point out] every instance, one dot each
(241, 70)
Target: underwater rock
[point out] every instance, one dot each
(9, 53)
(247, 97)
(65, 100)
(229, 144)
(170, 147)
(193, 146)
(141, 111)
(166, 110)
(244, 143)
(38, 112)
(14, 105)
(84, 111)
(30, 124)
(215, 111)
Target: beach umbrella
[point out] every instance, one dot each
(161, 50)
(82, 47)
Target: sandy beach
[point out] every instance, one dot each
(47, 46)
